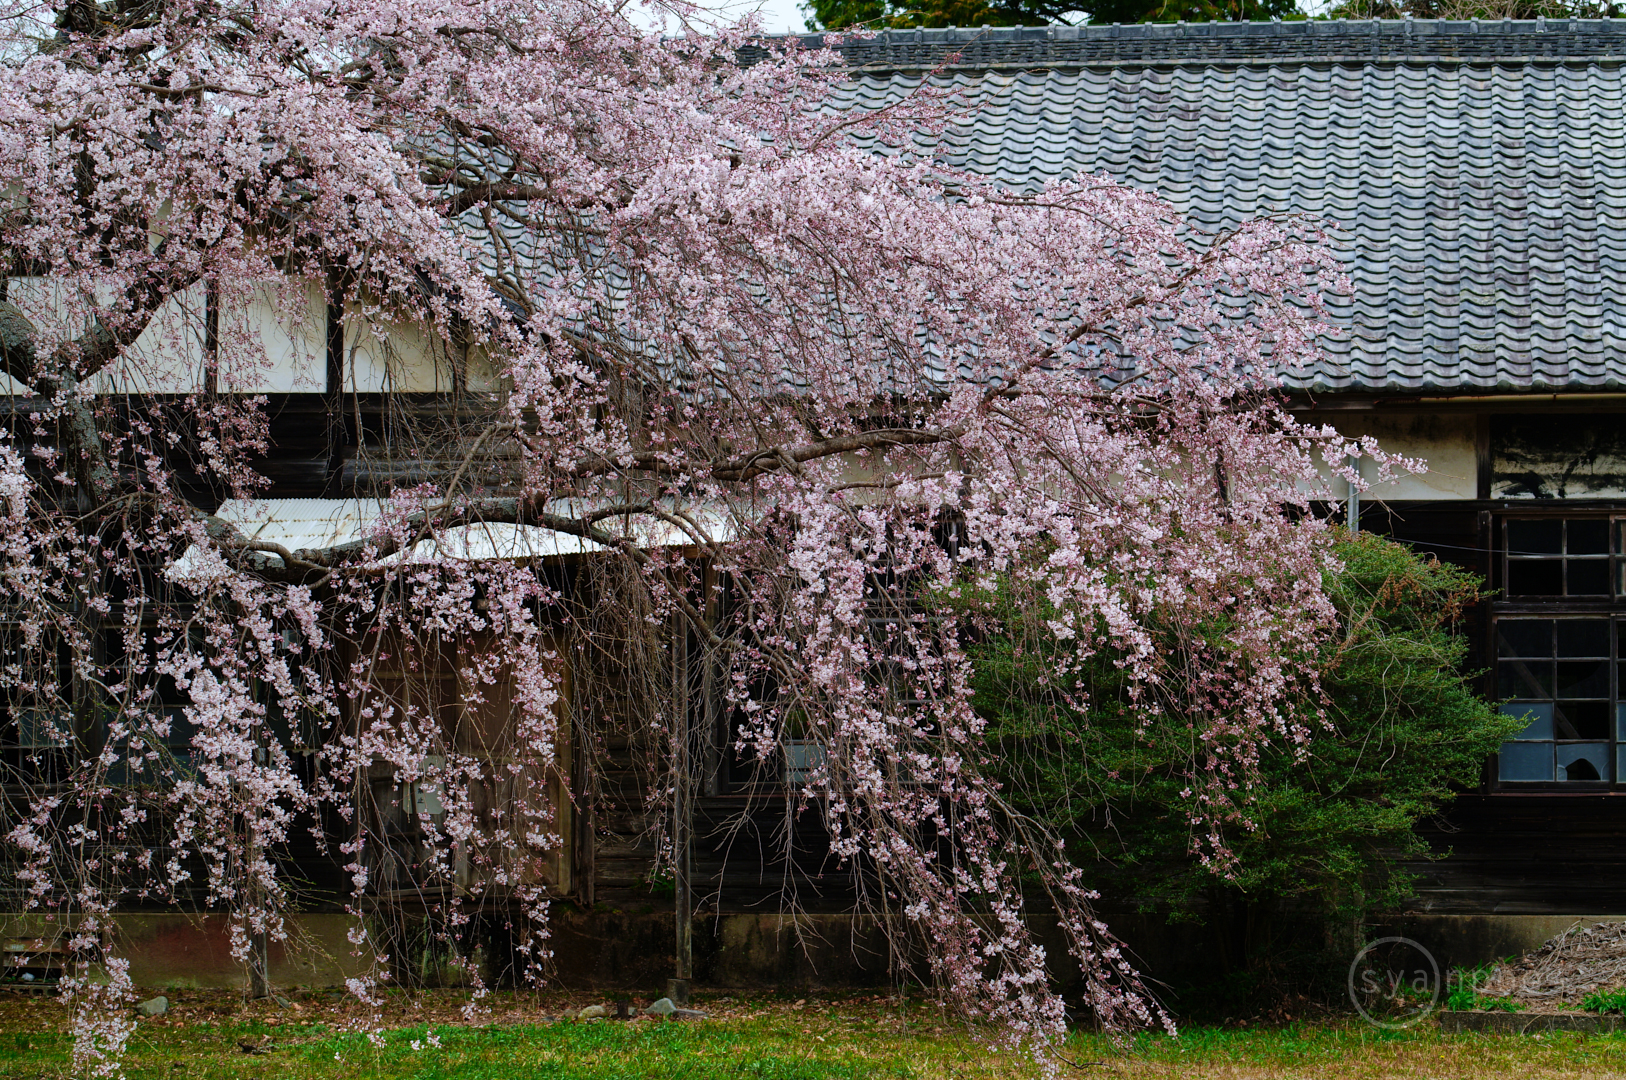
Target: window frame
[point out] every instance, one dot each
(1556, 608)
(1613, 557)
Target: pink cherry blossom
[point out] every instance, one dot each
(766, 373)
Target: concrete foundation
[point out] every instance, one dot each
(635, 952)
(1468, 941)
(616, 951)
(1501, 1023)
(180, 951)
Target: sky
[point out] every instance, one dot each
(778, 16)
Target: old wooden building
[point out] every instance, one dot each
(1472, 176)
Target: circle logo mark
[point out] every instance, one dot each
(1394, 982)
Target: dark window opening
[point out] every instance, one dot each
(38, 732)
(1561, 557)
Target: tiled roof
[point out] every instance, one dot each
(1360, 41)
(1477, 173)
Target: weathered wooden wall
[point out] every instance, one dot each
(1555, 854)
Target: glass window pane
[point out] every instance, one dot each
(802, 756)
(42, 728)
(1581, 720)
(1535, 577)
(1535, 537)
(1538, 713)
(1583, 761)
(1620, 723)
(1524, 679)
(1525, 761)
(1588, 537)
(1526, 637)
(1583, 637)
(1587, 577)
(1583, 678)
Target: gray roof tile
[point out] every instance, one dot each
(1477, 174)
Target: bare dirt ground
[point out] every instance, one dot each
(1558, 976)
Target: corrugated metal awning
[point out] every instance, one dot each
(325, 523)
(315, 524)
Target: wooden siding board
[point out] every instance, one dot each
(1526, 854)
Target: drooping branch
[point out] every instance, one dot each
(768, 459)
(93, 351)
(61, 375)
(307, 564)
(692, 295)
(772, 458)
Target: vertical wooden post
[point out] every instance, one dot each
(683, 901)
(334, 403)
(211, 337)
(677, 988)
(259, 965)
(1484, 460)
(712, 736)
(259, 961)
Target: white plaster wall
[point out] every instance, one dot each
(1558, 456)
(169, 356)
(264, 347)
(166, 359)
(482, 374)
(1444, 442)
(411, 361)
(272, 342)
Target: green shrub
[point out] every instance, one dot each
(1326, 828)
(1498, 1004)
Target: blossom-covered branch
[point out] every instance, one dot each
(769, 373)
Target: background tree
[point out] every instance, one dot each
(896, 15)
(1328, 821)
(902, 14)
(722, 340)
(1472, 9)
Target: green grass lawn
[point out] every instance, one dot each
(863, 1039)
